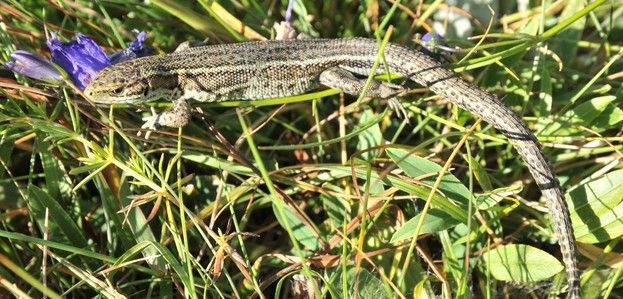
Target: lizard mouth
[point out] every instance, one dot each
(99, 99)
(102, 98)
(89, 93)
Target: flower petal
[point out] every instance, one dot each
(135, 50)
(433, 37)
(289, 11)
(32, 66)
(81, 58)
(431, 42)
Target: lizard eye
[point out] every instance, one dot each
(118, 90)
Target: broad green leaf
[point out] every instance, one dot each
(10, 197)
(590, 110)
(301, 231)
(610, 116)
(369, 285)
(337, 209)
(415, 167)
(489, 199)
(531, 27)
(371, 137)
(170, 259)
(57, 182)
(59, 220)
(421, 290)
(136, 222)
(521, 263)
(545, 95)
(480, 174)
(376, 188)
(566, 44)
(6, 150)
(596, 208)
(436, 220)
(599, 112)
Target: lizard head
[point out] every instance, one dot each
(120, 83)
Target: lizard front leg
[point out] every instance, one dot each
(345, 81)
(177, 116)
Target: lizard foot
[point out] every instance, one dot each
(397, 106)
(150, 123)
(177, 116)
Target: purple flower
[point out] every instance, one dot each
(289, 11)
(81, 58)
(432, 42)
(32, 66)
(434, 38)
(135, 50)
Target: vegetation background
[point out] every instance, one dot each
(232, 204)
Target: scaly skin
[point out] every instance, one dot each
(269, 69)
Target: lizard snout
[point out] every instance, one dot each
(89, 93)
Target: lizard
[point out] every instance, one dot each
(277, 68)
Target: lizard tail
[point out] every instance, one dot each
(428, 72)
(493, 111)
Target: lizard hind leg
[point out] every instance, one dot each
(346, 81)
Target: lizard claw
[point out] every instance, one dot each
(151, 123)
(148, 126)
(397, 106)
